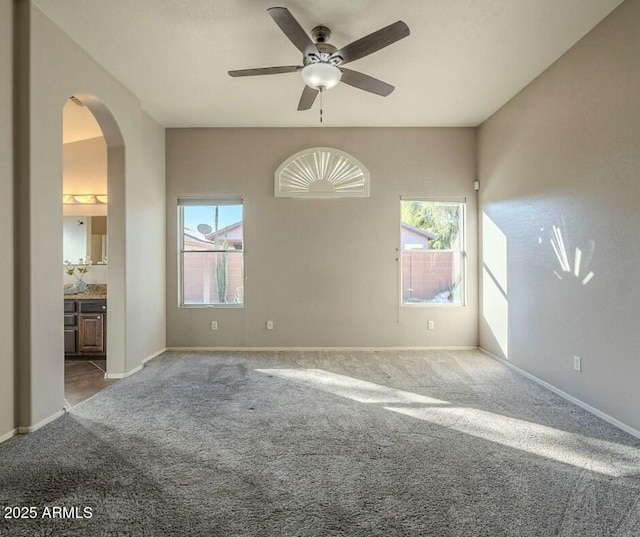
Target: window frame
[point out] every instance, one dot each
(462, 251)
(213, 201)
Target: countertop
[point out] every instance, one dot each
(97, 291)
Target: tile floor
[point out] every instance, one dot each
(84, 378)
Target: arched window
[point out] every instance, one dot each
(321, 172)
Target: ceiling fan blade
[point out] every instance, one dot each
(365, 82)
(266, 71)
(292, 29)
(373, 42)
(307, 98)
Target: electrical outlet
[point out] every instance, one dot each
(431, 325)
(577, 363)
(269, 325)
(214, 325)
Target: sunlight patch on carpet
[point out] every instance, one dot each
(358, 390)
(577, 450)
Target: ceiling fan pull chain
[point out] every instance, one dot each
(321, 92)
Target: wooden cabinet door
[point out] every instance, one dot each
(91, 333)
(70, 341)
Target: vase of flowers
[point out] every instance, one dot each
(78, 271)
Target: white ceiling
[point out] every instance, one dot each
(463, 60)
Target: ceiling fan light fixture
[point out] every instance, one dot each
(321, 76)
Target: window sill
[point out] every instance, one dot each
(431, 305)
(210, 306)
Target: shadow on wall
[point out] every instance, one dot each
(495, 305)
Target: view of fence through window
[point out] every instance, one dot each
(211, 252)
(432, 251)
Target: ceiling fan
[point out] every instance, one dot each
(322, 63)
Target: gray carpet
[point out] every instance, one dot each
(321, 444)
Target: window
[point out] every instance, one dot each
(432, 251)
(211, 252)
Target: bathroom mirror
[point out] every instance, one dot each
(85, 236)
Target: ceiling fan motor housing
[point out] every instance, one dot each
(321, 35)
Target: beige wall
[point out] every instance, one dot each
(7, 354)
(565, 152)
(146, 248)
(56, 69)
(324, 271)
(85, 166)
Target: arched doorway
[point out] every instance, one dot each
(91, 334)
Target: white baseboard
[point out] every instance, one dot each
(7, 435)
(32, 428)
(310, 349)
(613, 421)
(152, 356)
(115, 376)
